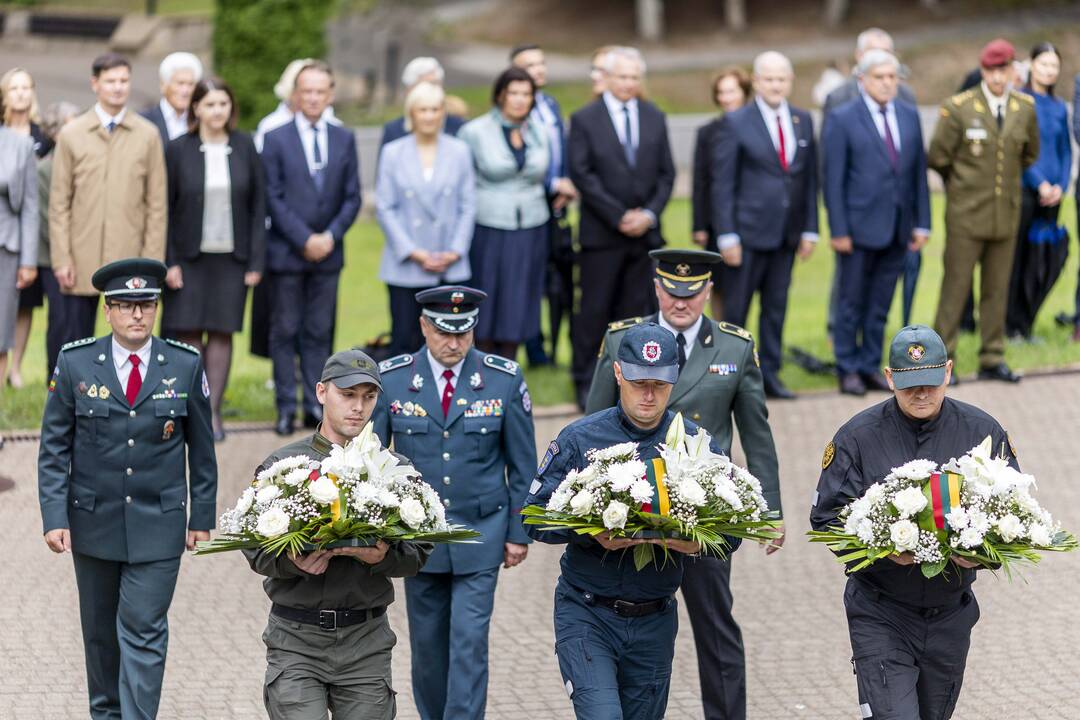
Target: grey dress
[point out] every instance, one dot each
(18, 224)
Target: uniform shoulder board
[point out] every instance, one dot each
(78, 343)
(733, 329)
(182, 345)
(1030, 100)
(961, 98)
(398, 361)
(497, 362)
(624, 324)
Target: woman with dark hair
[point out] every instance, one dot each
(510, 245)
(216, 243)
(1042, 245)
(730, 90)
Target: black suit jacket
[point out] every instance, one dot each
(608, 185)
(701, 194)
(752, 195)
(153, 114)
(186, 168)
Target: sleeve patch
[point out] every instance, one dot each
(552, 451)
(205, 385)
(526, 400)
(829, 456)
(500, 363)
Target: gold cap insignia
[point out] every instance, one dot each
(682, 269)
(916, 352)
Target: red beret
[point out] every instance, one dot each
(997, 53)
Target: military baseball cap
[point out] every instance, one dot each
(917, 357)
(451, 308)
(349, 368)
(684, 273)
(131, 279)
(648, 352)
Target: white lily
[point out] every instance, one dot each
(676, 434)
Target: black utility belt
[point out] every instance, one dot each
(626, 608)
(950, 603)
(326, 619)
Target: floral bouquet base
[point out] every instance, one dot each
(688, 493)
(358, 495)
(976, 507)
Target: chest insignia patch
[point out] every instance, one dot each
(168, 429)
(92, 392)
(830, 454)
(417, 382)
(475, 381)
(724, 369)
(103, 393)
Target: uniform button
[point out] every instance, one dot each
(131, 442)
(483, 431)
(91, 411)
(697, 416)
(445, 434)
(128, 498)
(446, 502)
(446, 456)
(500, 507)
(131, 414)
(76, 503)
(446, 480)
(997, 191)
(172, 412)
(129, 471)
(408, 431)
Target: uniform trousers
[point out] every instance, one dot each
(449, 617)
(310, 671)
(995, 258)
(616, 283)
(124, 612)
(303, 306)
(867, 285)
(613, 667)
(909, 663)
(706, 589)
(767, 272)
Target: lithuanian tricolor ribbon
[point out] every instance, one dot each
(655, 473)
(944, 496)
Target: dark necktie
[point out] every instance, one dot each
(890, 145)
(316, 155)
(111, 126)
(134, 383)
(628, 144)
(448, 391)
(680, 340)
(1000, 116)
(782, 149)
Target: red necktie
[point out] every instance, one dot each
(134, 380)
(448, 391)
(782, 150)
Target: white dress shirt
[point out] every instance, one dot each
(769, 114)
(308, 138)
(879, 122)
(217, 235)
(122, 360)
(437, 369)
(282, 115)
(175, 123)
(105, 118)
(995, 102)
(689, 334)
(615, 110)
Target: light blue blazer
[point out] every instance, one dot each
(418, 214)
(18, 197)
(508, 198)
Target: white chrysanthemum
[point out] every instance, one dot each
(296, 476)
(642, 492)
(560, 499)
(909, 501)
(875, 493)
(979, 521)
(725, 489)
(622, 451)
(243, 504)
(1040, 535)
(904, 535)
(860, 508)
(387, 498)
(958, 518)
(272, 523)
(970, 538)
(268, 493)
(283, 466)
(1010, 528)
(615, 515)
(582, 503)
(691, 492)
(915, 470)
(365, 492)
(622, 475)
(323, 490)
(865, 531)
(412, 513)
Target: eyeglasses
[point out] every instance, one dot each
(128, 308)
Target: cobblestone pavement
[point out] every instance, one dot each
(1023, 661)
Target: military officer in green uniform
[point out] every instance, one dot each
(328, 641)
(127, 420)
(719, 377)
(985, 138)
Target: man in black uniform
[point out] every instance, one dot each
(909, 634)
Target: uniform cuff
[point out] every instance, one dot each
(922, 231)
(54, 516)
(727, 240)
(809, 237)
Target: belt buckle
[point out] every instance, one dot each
(328, 620)
(623, 608)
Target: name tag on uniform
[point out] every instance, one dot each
(724, 369)
(976, 134)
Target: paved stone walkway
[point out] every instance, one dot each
(1023, 663)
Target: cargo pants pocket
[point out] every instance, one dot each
(887, 685)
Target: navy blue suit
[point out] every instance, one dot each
(303, 294)
(769, 208)
(877, 203)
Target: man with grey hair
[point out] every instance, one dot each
(283, 114)
(179, 72)
(878, 202)
(619, 159)
(764, 199)
(418, 70)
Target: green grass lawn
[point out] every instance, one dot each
(362, 314)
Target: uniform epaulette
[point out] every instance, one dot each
(733, 329)
(497, 362)
(961, 98)
(398, 361)
(182, 345)
(624, 324)
(78, 343)
(1029, 99)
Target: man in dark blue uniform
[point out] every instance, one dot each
(909, 634)
(124, 414)
(615, 626)
(464, 419)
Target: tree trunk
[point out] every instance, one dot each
(836, 11)
(650, 19)
(735, 14)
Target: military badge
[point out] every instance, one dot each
(101, 357)
(160, 357)
(407, 408)
(92, 392)
(395, 407)
(457, 297)
(417, 382)
(682, 269)
(82, 388)
(52, 385)
(168, 429)
(650, 351)
(916, 352)
(135, 283)
(475, 381)
(724, 369)
(827, 458)
(103, 393)
(169, 382)
(419, 410)
(462, 401)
